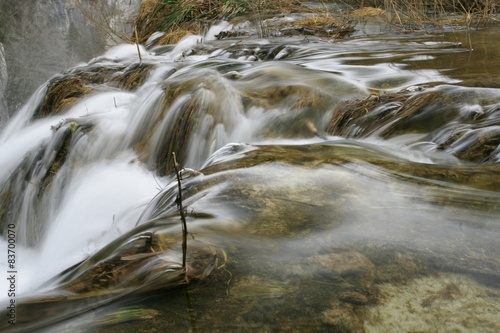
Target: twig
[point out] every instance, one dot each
(182, 212)
(100, 20)
(138, 49)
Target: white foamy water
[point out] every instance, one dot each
(266, 123)
(105, 201)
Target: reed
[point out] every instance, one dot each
(417, 13)
(180, 17)
(166, 15)
(191, 15)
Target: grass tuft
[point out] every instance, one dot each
(177, 18)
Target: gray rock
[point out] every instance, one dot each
(47, 37)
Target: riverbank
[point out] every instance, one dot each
(168, 21)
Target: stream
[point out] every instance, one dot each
(329, 185)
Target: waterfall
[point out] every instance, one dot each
(301, 162)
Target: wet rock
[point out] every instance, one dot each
(192, 106)
(439, 303)
(230, 34)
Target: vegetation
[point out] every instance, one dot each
(65, 90)
(417, 12)
(178, 18)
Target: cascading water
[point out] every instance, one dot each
(315, 170)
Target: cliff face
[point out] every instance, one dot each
(45, 37)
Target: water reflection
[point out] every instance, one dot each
(476, 63)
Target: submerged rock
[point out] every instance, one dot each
(442, 303)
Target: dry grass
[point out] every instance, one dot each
(367, 11)
(170, 15)
(318, 20)
(172, 36)
(62, 93)
(132, 77)
(417, 13)
(178, 18)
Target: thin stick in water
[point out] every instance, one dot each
(182, 212)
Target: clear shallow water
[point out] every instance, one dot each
(311, 211)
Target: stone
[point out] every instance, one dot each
(445, 302)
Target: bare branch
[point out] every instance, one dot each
(182, 212)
